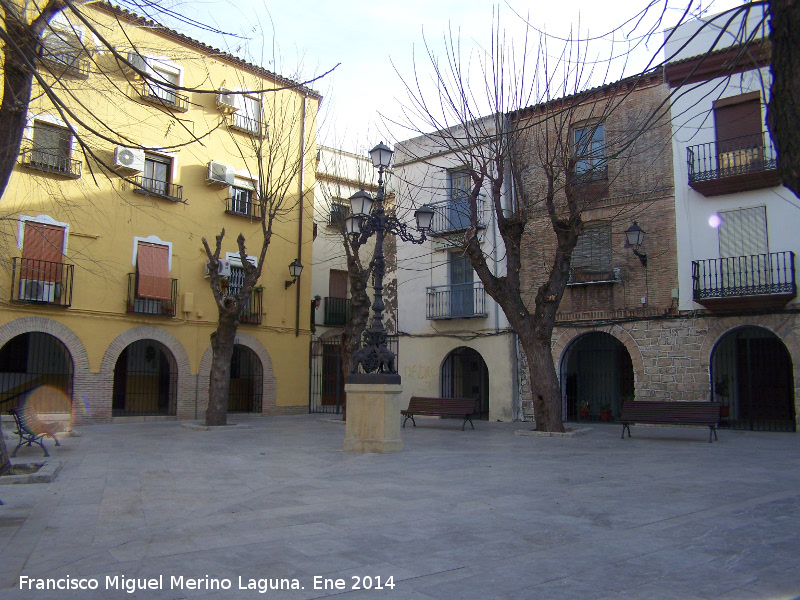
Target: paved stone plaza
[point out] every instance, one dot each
(457, 515)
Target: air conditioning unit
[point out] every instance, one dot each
(129, 158)
(224, 268)
(226, 101)
(219, 174)
(137, 61)
(37, 291)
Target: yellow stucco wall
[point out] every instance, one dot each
(104, 215)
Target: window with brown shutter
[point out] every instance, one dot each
(42, 252)
(337, 284)
(152, 271)
(591, 258)
(738, 127)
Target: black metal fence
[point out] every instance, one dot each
(164, 95)
(759, 274)
(145, 381)
(41, 282)
(457, 301)
(151, 306)
(51, 162)
(36, 371)
(336, 311)
(247, 208)
(157, 187)
(245, 389)
(726, 158)
(453, 214)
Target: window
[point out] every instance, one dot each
(337, 306)
(462, 289)
(41, 267)
(241, 201)
(591, 258)
(152, 271)
(589, 149)
(51, 150)
(460, 188)
(339, 212)
(743, 232)
(248, 116)
(64, 50)
(738, 129)
(157, 174)
(164, 93)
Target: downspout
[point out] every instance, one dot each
(302, 180)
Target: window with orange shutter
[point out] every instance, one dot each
(152, 271)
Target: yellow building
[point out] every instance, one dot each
(106, 305)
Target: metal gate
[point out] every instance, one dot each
(596, 377)
(36, 371)
(244, 390)
(326, 384)
(752, 378)
(145, 381)
(465, 375)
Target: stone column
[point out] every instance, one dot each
(373, 417)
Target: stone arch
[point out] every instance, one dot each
(80, 359)
(621, 334)
(456, 381)
(786, 330)
(186, 384)
(269, 383)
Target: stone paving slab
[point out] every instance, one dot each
(484, 514)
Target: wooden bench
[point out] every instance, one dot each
(448, 408)
(670, 413)
(31, 430)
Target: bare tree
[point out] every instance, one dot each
(533, 165)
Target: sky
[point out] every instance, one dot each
(377, 48)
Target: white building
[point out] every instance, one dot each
(454, 339)
(736, 225)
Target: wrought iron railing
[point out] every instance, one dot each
(243, 209)
(457, 301)
(336, 312)
(453, 214)
(755, 275)
(251, 314)
(726, 158)
(157, 187)
(51, 162)
(73, 62)
(163, 95)
(41, 282)
(247, 124)
(151, 306)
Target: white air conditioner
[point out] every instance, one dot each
(129, 158)
(219, 174)
(136, 60)
(37, 291)
(224, 269)
(226, 101)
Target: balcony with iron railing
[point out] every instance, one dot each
(336, 312)
(51, 162)
(744, 163)
(74, 62)
(251, 125)
(251, 313)
(453, 215)
(157, 187)
(41, 282)
(164, 96)
(757, 281)
(456, 301)
(247, 209)
(151, 306)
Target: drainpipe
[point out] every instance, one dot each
(302, 180)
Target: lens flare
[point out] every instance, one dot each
(49, 404)
(714, 221)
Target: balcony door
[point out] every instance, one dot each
(458, 214)
(738, 126)
(744, 250)
(461, 277)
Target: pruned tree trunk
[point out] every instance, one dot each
(222, 343)
(783, 111)
(5, 462)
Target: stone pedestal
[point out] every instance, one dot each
(373, 417)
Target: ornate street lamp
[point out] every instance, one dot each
(374, 356)
(634, 237)
(295, 268)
